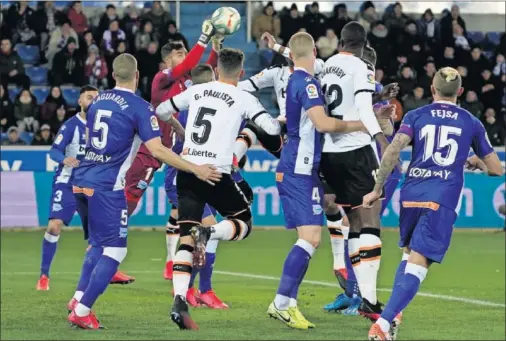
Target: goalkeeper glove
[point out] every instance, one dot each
(208, 32)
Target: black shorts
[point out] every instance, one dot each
(351, 175)
(326, 187)
(193, 193)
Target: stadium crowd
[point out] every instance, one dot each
(76, 52)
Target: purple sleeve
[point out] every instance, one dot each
(62, 139)
(481, 144)
(407, 124)
(147, 123)
(311, 95)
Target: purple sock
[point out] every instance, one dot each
(90, 261)
(295, 290)
(100, 278)
(296, 264)
(351, 283)
(194, 274)
(237, 176)
(206, 273)
(49, 244)
(405, 289)
(400, 271)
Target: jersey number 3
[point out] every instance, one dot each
(99, 125)
(201, 121)
(433, 147)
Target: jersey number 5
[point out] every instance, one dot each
(334, 98)
(101, 126)
(432, 150)
(201, 121)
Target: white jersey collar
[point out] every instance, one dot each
(80, 118)
(123, 89)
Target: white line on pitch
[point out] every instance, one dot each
(272, 278)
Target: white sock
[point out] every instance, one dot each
(384, 325)
(354, 253)
(292, 303)
(211, 246)
(51, 238)
(182, 272)
(337, 243)
(282, 302)
(416, 270)
(369, 266)
(241, 145)
(78, 295)
(228, 230)
(82, 310)
(171, 240)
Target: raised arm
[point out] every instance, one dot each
(257, 113)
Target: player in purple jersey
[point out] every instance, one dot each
(442, 134)
(297, 179)
(117, 122)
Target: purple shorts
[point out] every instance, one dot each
(301, 198)
(426, 230)
(388, 190)
(63, 203)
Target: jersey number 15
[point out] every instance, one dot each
(444, 140)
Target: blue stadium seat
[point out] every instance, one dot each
(71, 95)
(13, 92)
(489, 55)
(29, 54)
(494, 37)
(40, 93)
(476, 36)
(38, 75)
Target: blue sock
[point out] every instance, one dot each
(206, 273)
(295, 290)
(194, 274)
(100, 278)
(351, 283)
(49, 244)
(405, 288)
(400, 271)
(90, 261)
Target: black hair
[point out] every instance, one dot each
(230, 59)
(353, 35)
(369, 55)
(169, 47)
(87, 88)
(110, 6)
(202, 73)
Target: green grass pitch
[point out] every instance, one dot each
(467, 301)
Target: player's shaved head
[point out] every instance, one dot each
(353, 35)
(124, 68)
(230, 62)
(301, 45)
(202, 73)
(447, 83)
(369, 55)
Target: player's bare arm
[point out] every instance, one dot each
(490, 164)
(273, 45)
(206, 173)
(388, 162)
(388, 93)
(178, 128)
(269, 124)
(326, 124)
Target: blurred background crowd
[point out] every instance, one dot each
(51, 49)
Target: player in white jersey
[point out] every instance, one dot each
(216, 111)
(349, 163)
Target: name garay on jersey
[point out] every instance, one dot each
(216, 94)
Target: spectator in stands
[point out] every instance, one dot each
(44, 137)
(491, 90)
(327, 45)
(339, 18)
(121, 48)
(131, 23)
(378, 40)
(415, 99)
(86, 41)
(172, 34)
(425, 79)
(494, 128)
(465, 79)
(447, 26)
(58, 120)
(266, 22)
(46, 19)
(6, 111)
(25, 111)
(429, 28)
(12, 69)
(396, 20)
(315, 22)
(367, 14)
(159, 16)
(106, 18)
(410, 44)
(501, 48)
(13, 138)
(472, 104)
(291, 23)
(407, 81)
(448, 58)
(461, 43)
(78, 18)
(500, 66)
(476, 64)
(148, 67)
(112, 36)
(68, 66)
(20, 20)
(379, 75)
(145, 36)
(59, 39)
(95, 68)
(53, 101)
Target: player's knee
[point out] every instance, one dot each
(116, 253)
(243, 224)
(54, 227)
(310, 234)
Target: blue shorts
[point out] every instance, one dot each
(388, 190)
(107, 216)
(63, 203)
(171, 191)
(426, 230)
(301, 198)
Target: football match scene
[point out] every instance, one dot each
(252, 170)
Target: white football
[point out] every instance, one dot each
(226, 20)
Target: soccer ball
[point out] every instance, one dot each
(226, 20)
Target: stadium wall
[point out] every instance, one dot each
(27, 175)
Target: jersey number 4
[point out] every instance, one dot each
(99, 125)
(435, 142)
(334, 97)
(202, 121)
